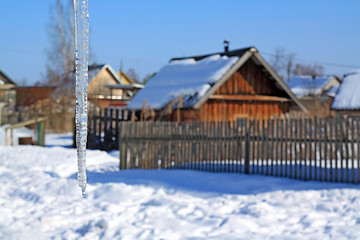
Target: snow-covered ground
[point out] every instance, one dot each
(40, 199)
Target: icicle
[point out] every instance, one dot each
(81, 65)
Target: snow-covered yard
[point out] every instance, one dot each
(40, 199)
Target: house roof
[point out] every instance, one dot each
(196, 78)
(121, 75)
(68, 89)
(305, 85)
(4, 79)
(348, 97)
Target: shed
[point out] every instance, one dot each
(216, 87)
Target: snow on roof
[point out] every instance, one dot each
(305, 85)
(332, 91)
(348, 95)
(187, 77)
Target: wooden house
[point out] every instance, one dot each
(7, 93)
(347, 98)
(100, 92)
(28, 95)
(216, 87)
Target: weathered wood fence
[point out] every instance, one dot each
(308, 149)
(103, 128)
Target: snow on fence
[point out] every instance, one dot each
(308, 149)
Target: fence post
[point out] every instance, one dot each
(122, 148)
(247, 150)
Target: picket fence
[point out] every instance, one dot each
(307, 149)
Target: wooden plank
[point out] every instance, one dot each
(272, 159)
(300, 150)
(263, 148)
(291, 149)
(281, 129)
(358, 146)
(227, 97)
(257, 146)
(352, 151)
(304, 165)
(286, 173)
(336, 150)
(310, 149)
(346, 135)
(267, 147)
(296, 150)
(331, 126)
(315, 147)
(215, 142)
(341, 120)
(320, 151)
(326, 174)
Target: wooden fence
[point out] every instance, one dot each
(103, 128)
(308, 149)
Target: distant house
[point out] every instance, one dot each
(215, 87)
(7, 94)
(347, 99)
(28, 95)
(100, 91)
(315, 92)
(305, 85)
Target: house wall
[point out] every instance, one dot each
(25, 96)
(97, 86)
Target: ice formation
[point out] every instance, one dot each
(81, 66)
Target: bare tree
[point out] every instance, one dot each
(278, 58)
(148, 77)
(301, 69)
(289, 65)
(282, 62)
(133, 75)
(60, 55)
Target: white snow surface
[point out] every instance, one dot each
(187, 77)
(305, 85)
(40, 199)
(348, 95)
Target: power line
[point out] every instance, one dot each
(317, 62)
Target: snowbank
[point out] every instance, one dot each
(40, 199)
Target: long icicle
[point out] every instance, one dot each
(81, 65)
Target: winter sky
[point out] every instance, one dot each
(144, 35)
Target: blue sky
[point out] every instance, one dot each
(144, 35)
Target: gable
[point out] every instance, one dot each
(124, 78)
(4, 79)
(98, 85)
(251, 79)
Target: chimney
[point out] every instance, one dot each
(226, 45)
